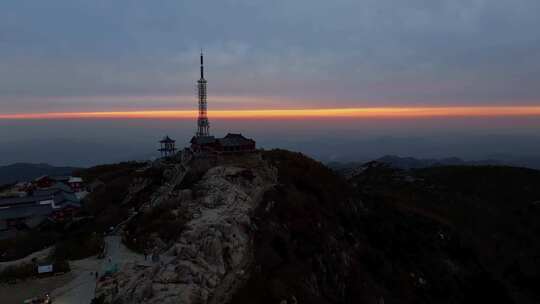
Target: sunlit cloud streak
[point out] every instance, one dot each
(275, 114)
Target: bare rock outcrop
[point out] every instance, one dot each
(208, 261)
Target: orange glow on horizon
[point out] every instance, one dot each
(368, 112)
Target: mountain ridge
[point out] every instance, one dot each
(276, 226)
(307, 235)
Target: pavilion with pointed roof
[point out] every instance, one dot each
(167, 146)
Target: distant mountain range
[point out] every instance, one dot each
(407, 163)
(417, 163)
(27, 171)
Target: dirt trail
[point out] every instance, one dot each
(82, 288)
(77, 286)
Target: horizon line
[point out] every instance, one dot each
(351, 112)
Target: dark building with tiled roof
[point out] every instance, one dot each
(231, 143)
(56, 202)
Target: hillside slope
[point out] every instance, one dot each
(277, 226)
(495, 210)
(321, 240)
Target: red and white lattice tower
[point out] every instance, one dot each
(203, 126)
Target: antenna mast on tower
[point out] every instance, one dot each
(203, 126)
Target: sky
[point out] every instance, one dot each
(460, 68)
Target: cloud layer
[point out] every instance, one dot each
(65, 54)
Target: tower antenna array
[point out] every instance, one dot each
(203, 126)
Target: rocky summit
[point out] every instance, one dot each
(211, 255)
(278, 227)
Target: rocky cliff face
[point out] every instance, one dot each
(210, 257)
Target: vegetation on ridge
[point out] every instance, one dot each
(322, 240)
